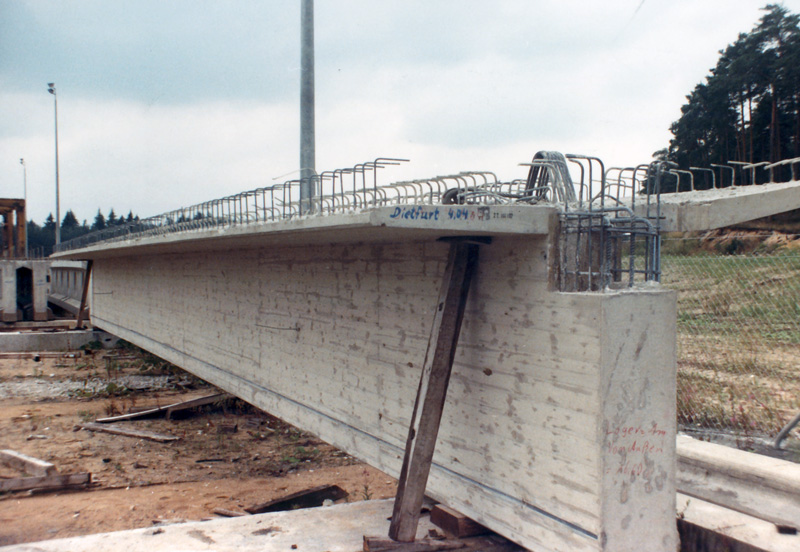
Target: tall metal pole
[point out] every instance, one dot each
(307, 139)
(25, 192)
(52, 89)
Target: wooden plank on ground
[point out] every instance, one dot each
(308, 498)
(456, 523)
(45, 482)
(228, 513)
(381, 544)
(168, 409)
(26, 464)
(432, 391)
(136, 433)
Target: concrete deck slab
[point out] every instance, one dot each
(379, 224)
(339, 528)
(710, 209)
(67, 303)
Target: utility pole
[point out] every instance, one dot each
(25, 197)
(51, 87)
(307, 140)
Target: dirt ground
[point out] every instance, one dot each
(137, 482)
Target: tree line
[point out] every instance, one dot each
(748, 108)
(42, 238)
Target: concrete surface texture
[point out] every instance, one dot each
(559, 422)
(339, 528)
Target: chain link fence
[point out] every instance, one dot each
(738, 333)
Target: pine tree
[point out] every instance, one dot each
(69, 221)
(99, 221)
(748, 109)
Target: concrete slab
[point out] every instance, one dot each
(761, 486)
(332, 529)
(28, 341)
(705, 526)
(710, 209)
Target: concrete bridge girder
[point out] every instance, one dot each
(558, 430)
(324, 322)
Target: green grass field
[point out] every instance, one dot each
(738, 339)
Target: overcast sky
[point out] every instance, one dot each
(163, 104)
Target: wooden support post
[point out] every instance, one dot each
(427, 413)
(84, 294)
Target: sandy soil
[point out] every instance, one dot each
(138, 483)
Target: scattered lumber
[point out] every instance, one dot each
(26, 464)
(456, 523)
(168, 409)
(309, 498)
(56, 481)
(382, 544)
(138, 434)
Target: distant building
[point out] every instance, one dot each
(12, 233)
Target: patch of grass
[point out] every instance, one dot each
(92, 346)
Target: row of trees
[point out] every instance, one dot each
(748, 108)
(42, 238)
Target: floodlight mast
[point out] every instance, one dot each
(307, 140)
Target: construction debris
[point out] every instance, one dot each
(309, 498)
(38, 356)
(46, 475)
(26, 464)
(167, 410)
(52, 482)
(138, 434)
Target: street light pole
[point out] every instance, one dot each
(25, 192)
(51, 87)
